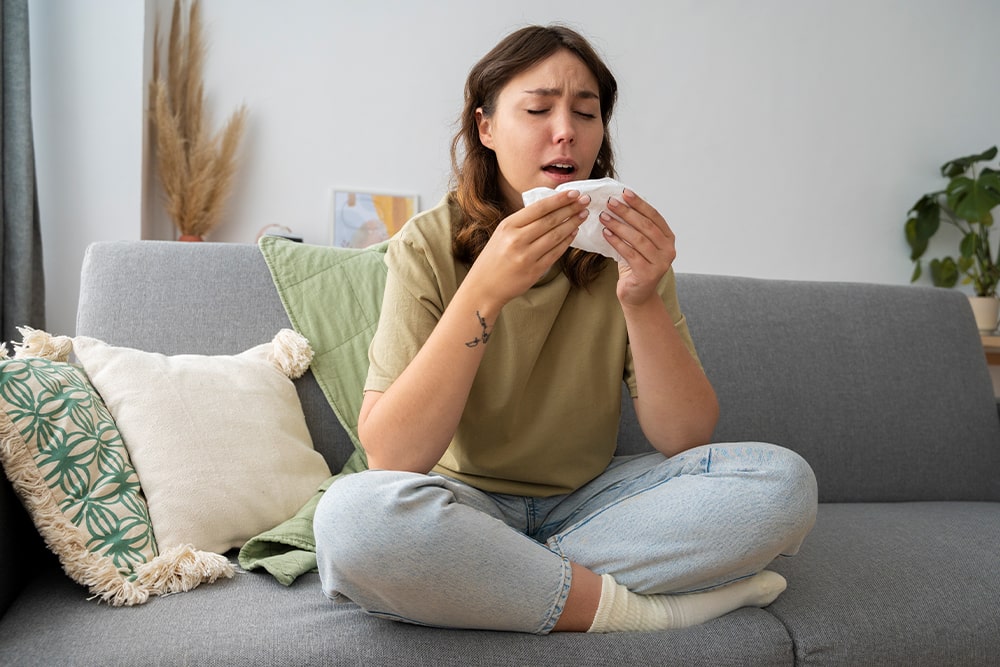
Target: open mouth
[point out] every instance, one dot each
(560, 168)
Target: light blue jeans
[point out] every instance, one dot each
(430, 550)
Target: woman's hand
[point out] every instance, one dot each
(676, 405)
(645, 243)
(527, 243)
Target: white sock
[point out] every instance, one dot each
(622, 610)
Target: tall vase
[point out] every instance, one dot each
(987, 311)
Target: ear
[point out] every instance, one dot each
(485, 128)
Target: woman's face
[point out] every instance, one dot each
(546, 128)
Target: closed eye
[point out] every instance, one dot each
(582, 114)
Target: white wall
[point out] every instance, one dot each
(86, 88)
(780, 138)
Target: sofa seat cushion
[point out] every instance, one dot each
(252, 619)
(895, 583)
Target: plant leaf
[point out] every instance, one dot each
(928, 219)
(918, 245)
(923, 223)
(989, 180)
(944, 272)
(968, 245)
(973, 200)
(960, 165)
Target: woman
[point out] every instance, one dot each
(494, 499)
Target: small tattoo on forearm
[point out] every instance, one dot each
(486, 334)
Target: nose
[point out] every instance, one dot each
(563, 128)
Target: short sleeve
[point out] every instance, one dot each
(411, 307)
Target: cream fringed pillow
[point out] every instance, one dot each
(67, 462)
(220, 443)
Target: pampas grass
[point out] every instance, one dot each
(195, 167)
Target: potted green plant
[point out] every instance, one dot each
(966, 204)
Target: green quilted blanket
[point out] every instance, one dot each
(333, 297)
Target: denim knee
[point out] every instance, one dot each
(794, 494)
(347, 533)
(369, 523)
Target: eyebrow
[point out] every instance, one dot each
(556, 92)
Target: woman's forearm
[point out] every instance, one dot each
(411, 424)
(676, 405)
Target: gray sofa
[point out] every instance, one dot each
(883, 389)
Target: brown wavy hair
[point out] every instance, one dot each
(475, 173)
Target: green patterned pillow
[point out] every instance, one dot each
(67, 462)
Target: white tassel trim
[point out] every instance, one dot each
(42, 345)
(290, 353)
(182, 568)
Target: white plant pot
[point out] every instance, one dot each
(987, 312)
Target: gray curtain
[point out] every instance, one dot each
(22, 281)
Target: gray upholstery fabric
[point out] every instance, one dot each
(896, 584)
(176, 298)
(883, 389)
(253, 620)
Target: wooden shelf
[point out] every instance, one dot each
(991, 346)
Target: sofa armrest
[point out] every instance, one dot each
(20, 545)
(8, 554)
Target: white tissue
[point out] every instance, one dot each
(590, 236)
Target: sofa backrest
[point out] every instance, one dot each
(194, 298)
(884, 389)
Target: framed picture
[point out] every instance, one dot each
(361, 219)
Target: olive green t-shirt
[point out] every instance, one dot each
(542, 415)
